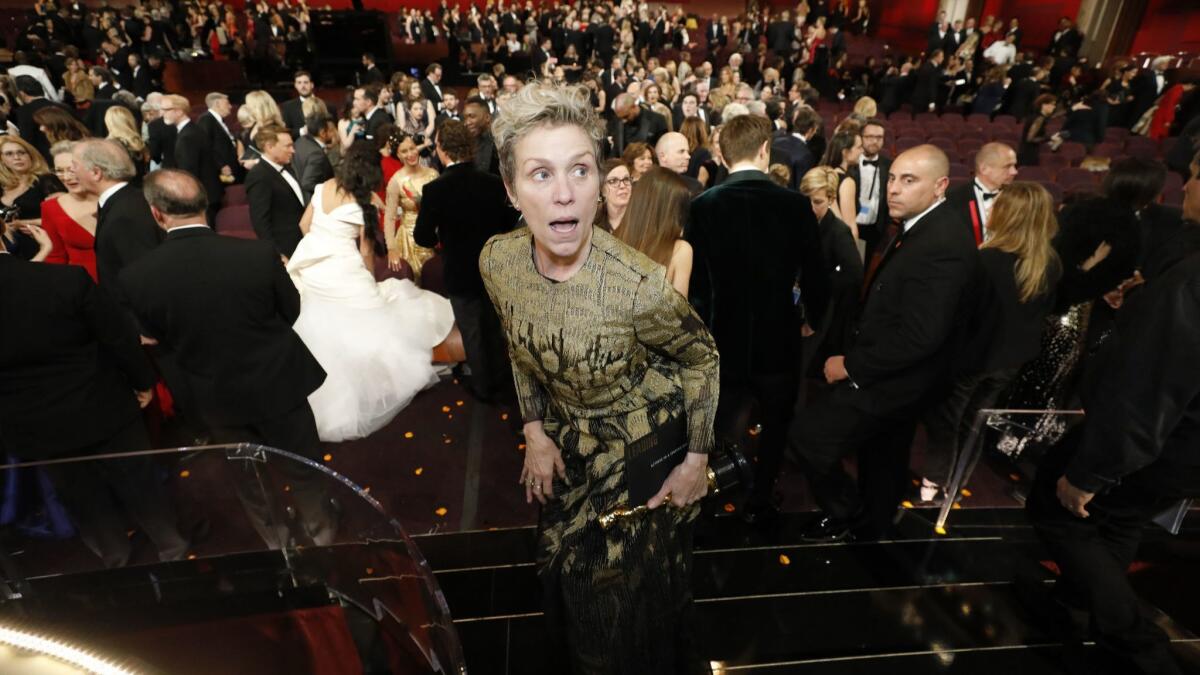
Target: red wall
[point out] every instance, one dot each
(1169, 26)
(1039, 18)
(905, 25)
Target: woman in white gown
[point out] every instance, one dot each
(374, 340)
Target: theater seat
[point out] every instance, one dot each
(234, 221)
(1173, 196)
(1055, 191)
(1072, 177)
(1034, 173)
(433, 275)
(235, 195)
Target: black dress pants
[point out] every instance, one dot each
(483, 339)
(827, 432)
(775, 395)
(294, 431)
(1094, 553)
(100, 494)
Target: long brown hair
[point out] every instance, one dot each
(657, 210)
(60, 125)
(1023, 222)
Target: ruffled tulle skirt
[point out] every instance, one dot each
(376, 359)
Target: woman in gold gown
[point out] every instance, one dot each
(404, 193)
(604, 352)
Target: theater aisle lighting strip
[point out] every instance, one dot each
(59, 650)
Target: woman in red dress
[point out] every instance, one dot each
(70, 217)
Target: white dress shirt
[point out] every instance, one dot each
(870, 187)
(985, 205)
(223, 127)
(287, 176)
(1000, 53)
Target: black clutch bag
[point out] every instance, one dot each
(649, 459)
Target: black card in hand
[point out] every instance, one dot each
(649, 459)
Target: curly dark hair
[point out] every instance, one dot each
(454, 139)
(359, 175)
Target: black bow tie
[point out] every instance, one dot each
(871, 162)
(989, 195)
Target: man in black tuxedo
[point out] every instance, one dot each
(715, 33)
(1147, 86)
(479, 124)
(125, 230)
(911, 329)
(631, 122)
(954, 38)
(793, 145)
(32, 99)
(938, 34)
(929, 78)
(223, 307)
(193, 153)
(779, 35)
(894, 88)
(449, 109)
(1066, 41)
(104, 83)
(1018, 99)
(73, 380)
(367, 99)
(871, 175)
(139, 76)
(431, 87)
(995, 167)
(672, 153)
(752, 242)
(371, 73)
(310, 164)
(461, 227)
(212, 123)
(293, 109)
(275, 196)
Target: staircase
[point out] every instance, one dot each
(919, 604)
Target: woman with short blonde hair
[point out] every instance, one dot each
(605, 353)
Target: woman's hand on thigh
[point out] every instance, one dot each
(543, 459)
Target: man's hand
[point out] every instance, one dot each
(147, 341)
(835, 369)
(807, 331)
(1072, 498)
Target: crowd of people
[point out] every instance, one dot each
(642, 224)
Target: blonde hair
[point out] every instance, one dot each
(866, 107)
(540, 105)
(263, 108)
(1023, 222)
(37, 163)
(123, 128)
(818, 179)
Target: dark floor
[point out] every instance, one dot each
(447, 469)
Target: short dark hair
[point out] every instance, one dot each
(477, 100)
(175, 192)
(315, 123)
(1134, 181)
(742, 136)
(454, 140)
(432, 68)
(371, 92)
(302, 73)
(875, 122)
(805, 119)
(369, 56)
(29, 86)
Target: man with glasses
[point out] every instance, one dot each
(870, 175)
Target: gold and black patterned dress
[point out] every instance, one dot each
(601, 359)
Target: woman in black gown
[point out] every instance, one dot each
(26, 180)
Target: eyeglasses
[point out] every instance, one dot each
(62, 172)
(14, 153)
(618, 182)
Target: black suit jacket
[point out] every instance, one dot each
(916, 318)
(752, 240)
(377, 119)
(275, 211)
(195, 154)
(463, 226)
(222, 309)
(125, 231)
(961, 199)
(486, 157)
(162, 143)
(292, 111)
(1019, 98)
(926, 89)
(224, 150)
(799, 156)
(69, 361)
(311, 165)
(647, 128)
(431, 93)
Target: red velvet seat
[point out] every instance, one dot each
(234, 221)
(235, 195)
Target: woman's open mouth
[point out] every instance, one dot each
(564, 225)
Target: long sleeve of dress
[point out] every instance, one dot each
(530, 394)
(665, 323)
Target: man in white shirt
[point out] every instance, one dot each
(872, 178)
(1002, 52)
(995, 167)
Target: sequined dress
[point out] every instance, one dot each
(601, 359)
(405, 192)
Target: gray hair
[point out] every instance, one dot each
(62, 148)
(107, 157)
(213, 97)
(732, 110)
(538, 105)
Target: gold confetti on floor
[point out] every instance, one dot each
(418, 471)
(784, 560)
(441, 511)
